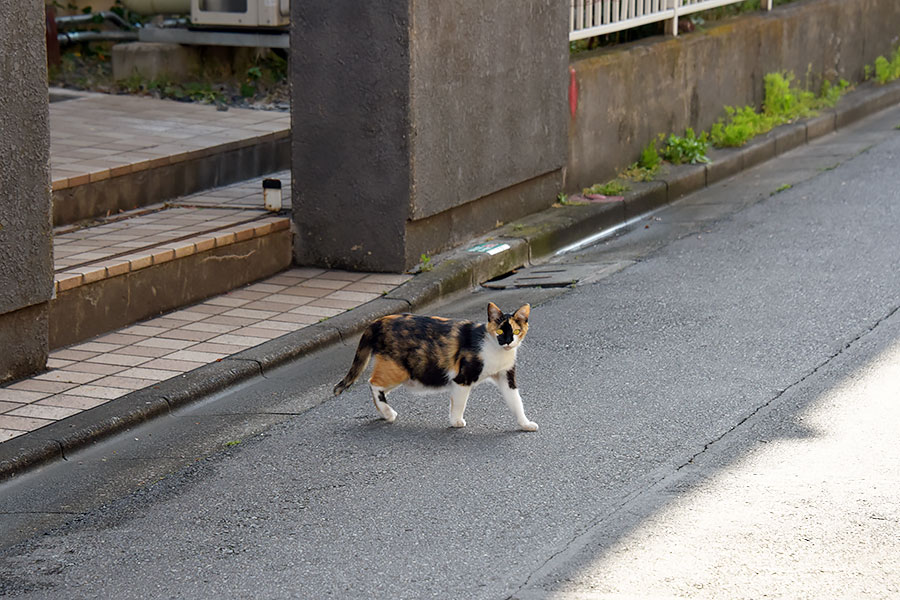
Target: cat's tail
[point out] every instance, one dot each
(360, 361)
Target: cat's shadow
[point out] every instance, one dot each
(369, 428)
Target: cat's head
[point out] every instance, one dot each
(508, 330)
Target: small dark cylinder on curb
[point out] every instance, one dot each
(272, 194)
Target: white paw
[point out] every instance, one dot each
(528, 426)
(390, 415)
(458, 422)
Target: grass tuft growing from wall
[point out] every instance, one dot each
(887, 70)
(784, 103)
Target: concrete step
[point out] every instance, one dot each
(114, 153)
(137, 264)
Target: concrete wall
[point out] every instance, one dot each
(630, 93)
(420, 123)
(26, 268)
(487, 91)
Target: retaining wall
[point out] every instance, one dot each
(630, 93)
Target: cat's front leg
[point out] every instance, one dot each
(459, 395)
(508, 388)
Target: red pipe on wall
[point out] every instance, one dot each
(573, 92)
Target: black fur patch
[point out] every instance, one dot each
(432, 376)
(471, 337)
(505, 336)
(511, 378)
(469, 370)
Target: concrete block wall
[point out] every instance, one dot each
(629, 94)
(26, 267)
(420, 123)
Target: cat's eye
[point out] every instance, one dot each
(517, 331)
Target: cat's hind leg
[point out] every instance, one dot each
(380, 399)
(386, 375)
(459, 395)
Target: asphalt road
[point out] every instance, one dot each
(723, 398)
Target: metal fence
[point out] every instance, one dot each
(588, 18)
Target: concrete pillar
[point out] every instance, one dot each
(418, 124)
(26, 238)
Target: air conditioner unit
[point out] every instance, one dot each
(241, 13)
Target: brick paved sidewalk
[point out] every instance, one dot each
(129, 241)
(86, 375)
(97, 136)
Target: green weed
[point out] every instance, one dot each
(887, 70)
(782, 188)
(650, 160)
(563, 200)
(249, 85)
(127, 14)
(426, 263)
(615, 187)
(646, 168)
(688, 149)
(831, 93)
(741, 125)
(164, 88)
(200, 92)
(784, 103)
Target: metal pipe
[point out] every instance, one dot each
(106, 15)
(179, 22)
(75, 37)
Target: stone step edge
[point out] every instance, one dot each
(102, 173)
(165, 252)
(167, 181)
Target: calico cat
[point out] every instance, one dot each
(436, 354)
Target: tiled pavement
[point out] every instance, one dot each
(89, 374)
(97, 136)
(131, 241)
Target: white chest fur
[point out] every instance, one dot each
(496, 359)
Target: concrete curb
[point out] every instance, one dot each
(529, 239)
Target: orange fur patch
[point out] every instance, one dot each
(387, 373)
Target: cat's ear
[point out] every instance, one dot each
(523, 313)
(494, 313)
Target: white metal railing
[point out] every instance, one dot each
(588, 18)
